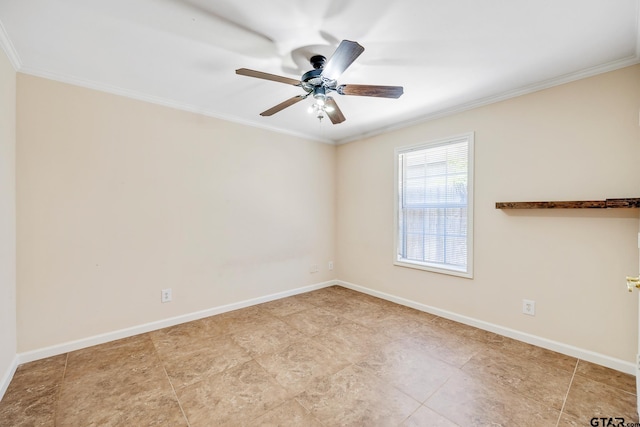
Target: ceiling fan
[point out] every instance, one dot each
(322, 80)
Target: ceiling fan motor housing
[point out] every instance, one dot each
(318, 61)
(311, 79)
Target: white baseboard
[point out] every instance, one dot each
(8, 376)
(57, 349)
(580, 353)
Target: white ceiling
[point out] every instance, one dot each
(448, 55)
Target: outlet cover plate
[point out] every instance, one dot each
(529, 307)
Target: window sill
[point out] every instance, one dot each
(434, 268)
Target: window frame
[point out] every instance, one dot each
(435, 267)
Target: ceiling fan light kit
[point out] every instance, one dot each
(322, 80)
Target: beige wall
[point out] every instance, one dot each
(578, 141)
(118, 199)
(7, 216)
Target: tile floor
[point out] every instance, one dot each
(330, 357)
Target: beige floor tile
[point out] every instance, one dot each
(363, 312)
(154, 407)
(266, 337)
(313, 321)
(616, 379)
(135, 355)
(32, 377)
(195, 361)
(311, 297)
(470, 401)
(346, 292)
(118, 384)
(351, 294)
(347, 308)
(408, 366)
(523, 375)
(425, 417)
(237, 320)
(451, 350)
(110, 383)
(286, 306)
(328, 357)
(424, 329)
(463, 331)
(325, 295)
(186, 334)
(409, 313)
(374, 300)
(233, 397)
(33, 411)
(436, 342)
(297, 365)
(31, 398)
(353, 341)
(355, 397)
(329, 299)
(398, 326)
(289, 414)
(90, 397)
(567, 420)
(541, 355)
(385, 319)
(588, 398)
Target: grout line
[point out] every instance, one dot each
(350, 364)
(564, 402)
(411, 414)
(59, 394)
(566, 349)
(433, 394)
(157, 353)
(172, 388)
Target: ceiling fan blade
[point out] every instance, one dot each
(345, 54)
(371, 90)
(267, 76)
(288, 103)
(334, 113)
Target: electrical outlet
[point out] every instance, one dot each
(166, 295)
(314, 268)
(529, 307)
(330, 265)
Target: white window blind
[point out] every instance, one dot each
(434, 206)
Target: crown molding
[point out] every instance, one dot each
(140, 96)
(15, 61)
(524, 90)
(9, 49)
(557, 81)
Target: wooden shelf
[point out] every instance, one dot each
(581, 204)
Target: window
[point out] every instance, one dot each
(434, 206)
